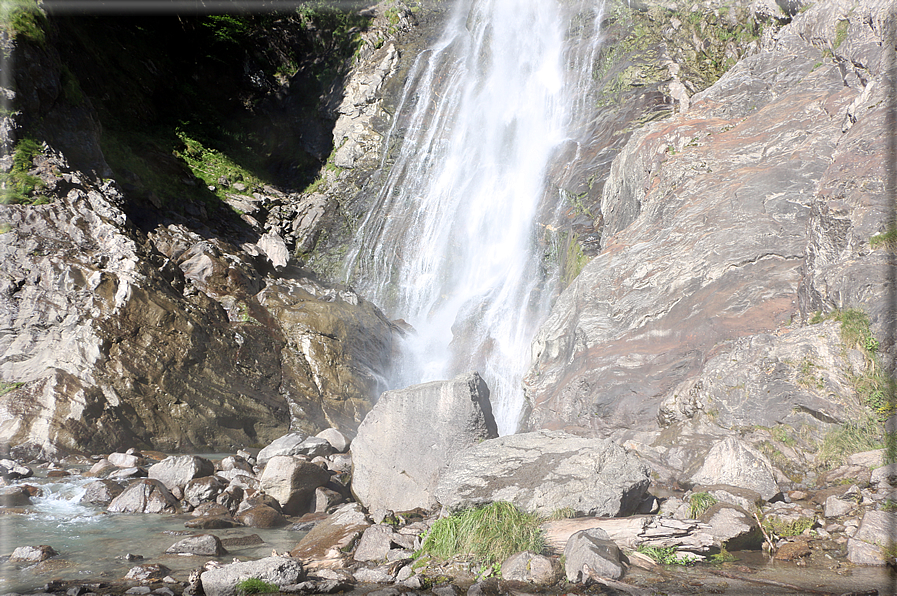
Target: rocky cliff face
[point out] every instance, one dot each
(179, 336)
(726, 228)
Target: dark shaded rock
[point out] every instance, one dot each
(261, 516)
(404, 441)
(241, 541)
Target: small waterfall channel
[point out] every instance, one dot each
(453, 244)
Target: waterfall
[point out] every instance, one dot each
(452, 245)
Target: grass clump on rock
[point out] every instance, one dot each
(487, 534)
(253, 585)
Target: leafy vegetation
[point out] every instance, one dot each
(487, 535)
(18, 186)
(23, 19)
(666, 555)
(840, 33)
(698, 503)
(723, 556)
(786, 528)
(6, 387)
(886, 240)
(254, 585)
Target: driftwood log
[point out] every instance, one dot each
(629, 532)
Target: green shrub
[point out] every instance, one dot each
(487, 535)
(254, 585)
(665, 555)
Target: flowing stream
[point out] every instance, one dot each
(453, 245)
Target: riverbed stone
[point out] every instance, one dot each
(261, 516)
(531, 568)
(144, 496)
(375, 543)
(32, 554)
(544, 471)
(148, 572)
(101, 492)
(201, 490)
(411, 434)
(14, 496)
(202, 544)
(292, 482)
(280, 571)
(324, 544)
(178, 470)
(733, 462)
(591, 551)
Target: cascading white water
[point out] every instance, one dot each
(451, 245)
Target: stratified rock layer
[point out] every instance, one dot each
(725, 227)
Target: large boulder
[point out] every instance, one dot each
(733, 462)
(411, 434)
(144, 496)
(591, 552)
(292, 482)
(546, 471)
(280, 571)
(178, 470)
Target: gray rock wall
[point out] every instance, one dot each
(732, 221)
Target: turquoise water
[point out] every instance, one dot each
(89, 540)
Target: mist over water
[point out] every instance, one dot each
(452, 245)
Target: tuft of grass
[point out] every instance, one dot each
(563, 513)
(698, 503)
(253, 585)
(840, 33)
(24, 19)
(487, 534)
(787, 528)
(887, 239)
(18, 186)
(849, 438)
(7, 387)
